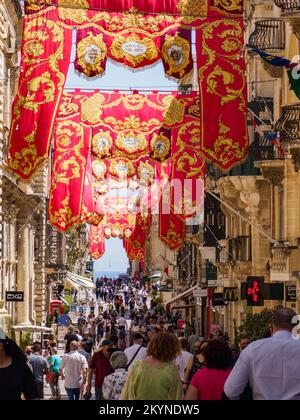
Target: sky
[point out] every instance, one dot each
(119, 77)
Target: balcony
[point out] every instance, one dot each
(288, 6)
(291, 13)
(240, 248)
(289, 124)
(268, 35)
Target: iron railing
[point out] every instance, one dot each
(289, 124)
(288, 6)
(240, 248)
(268, 35)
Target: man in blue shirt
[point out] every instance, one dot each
(272, 365)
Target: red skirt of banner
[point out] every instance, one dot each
(97, 242)
(72, 144)
(135, 246)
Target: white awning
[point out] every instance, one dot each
(182, 295)
(70, 283)
(81, 281)
(31, 328)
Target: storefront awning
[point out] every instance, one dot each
(182, 295)
(80, 281)
(71, 284)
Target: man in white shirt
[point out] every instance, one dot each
(136, 351)
(271, 366)
(122, 323)
(73, 369)
(184, 358)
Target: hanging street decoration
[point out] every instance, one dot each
(118, 158)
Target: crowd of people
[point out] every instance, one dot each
(127, 349)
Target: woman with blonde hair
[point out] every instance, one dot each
(156, 377)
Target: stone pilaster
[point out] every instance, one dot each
(23, 275)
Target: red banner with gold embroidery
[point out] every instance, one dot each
(171, 228)
(97, 242)
(222, 81)
(46, 50)
(135, 246)
(72, 144)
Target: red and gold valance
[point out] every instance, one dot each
(135, 47)
(190, 11)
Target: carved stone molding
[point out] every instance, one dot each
(273, 71)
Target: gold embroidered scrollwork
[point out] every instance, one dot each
(27, 160)
(192, 10)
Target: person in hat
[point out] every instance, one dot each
(137, 351)
(16, 378)
(101, 367)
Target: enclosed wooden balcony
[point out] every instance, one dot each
(268, 35)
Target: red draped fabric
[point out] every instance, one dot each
(135, 246)
(46, 49)
(71, 156)
(97, 242)
(222, 81)
(189, 10)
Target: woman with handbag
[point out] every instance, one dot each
(53, 376)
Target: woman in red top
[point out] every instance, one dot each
(208, 383)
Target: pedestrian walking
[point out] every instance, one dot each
(137, 351)
(156, 377)
(40, 367)
(114, 383)
(208, 383)
(16, 378)
(100, 366)
(195, 363)
(73, 370)
(54, 363)
(183, 359)
(271, 366)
